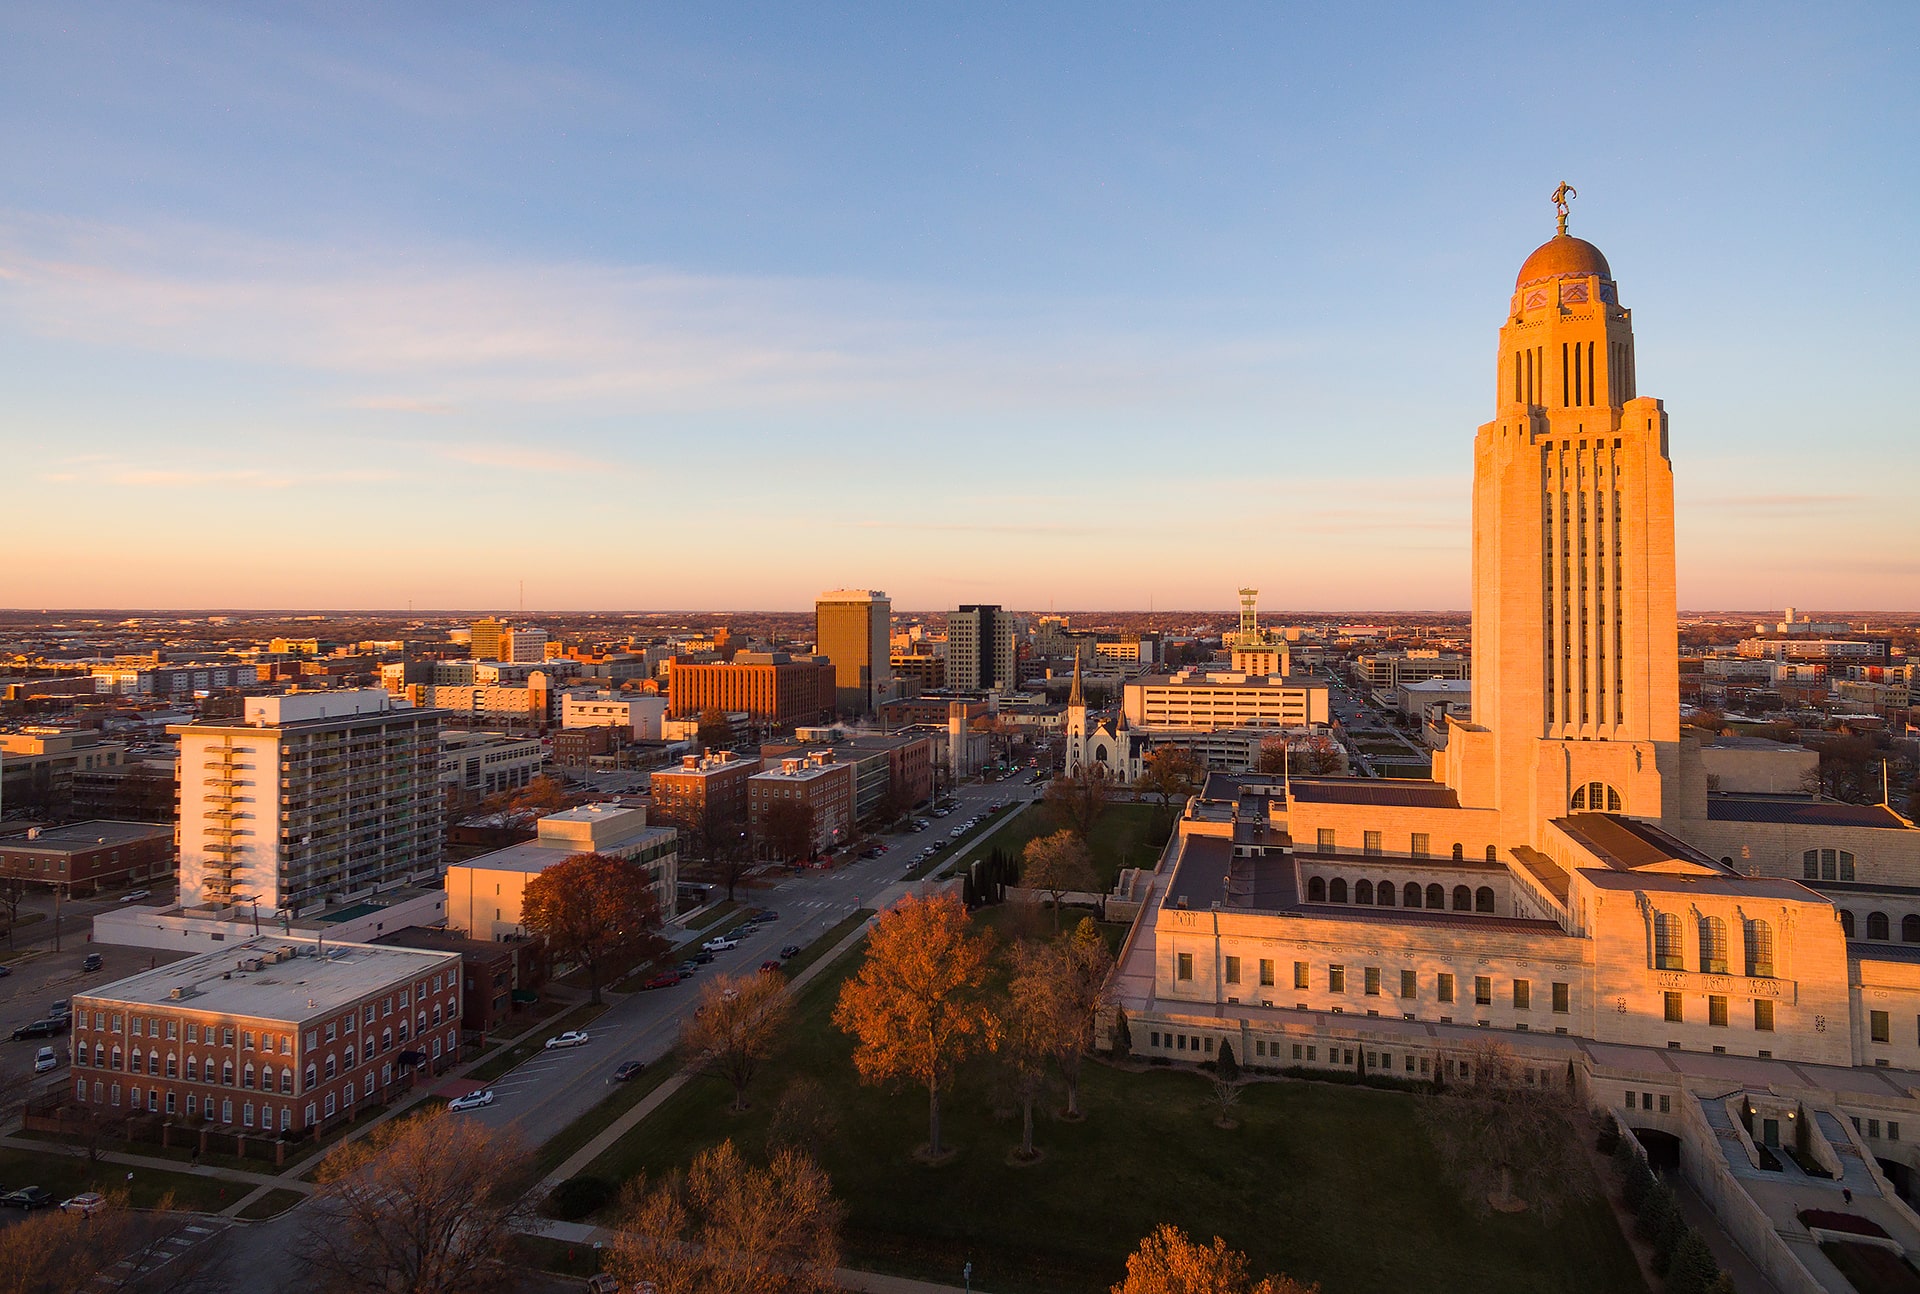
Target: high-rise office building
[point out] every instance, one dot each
(484, 643)
(852, 628)
(980, 649)
(523, 645)
(312, 797)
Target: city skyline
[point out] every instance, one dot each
(315, 312)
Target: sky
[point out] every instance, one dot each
(1107, 305)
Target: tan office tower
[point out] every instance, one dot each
(852, 629)
(484, 644)
(1575, 675)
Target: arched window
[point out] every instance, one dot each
(1826, 865)
(99, 1055)
(1383, 894)
(1910, 929)
(1436, 897)
(1596, 797)
(1459, 851)
(173, 1065)
(1846, 865)
(312, 1079)
(1363, 892)
(1410, 895)
(116, 1059)
(193, 1068)
(1713, 945)
(1337, 891)
(1666, 942)
(1877, 926)
(1759, 950)
(1316, 889)
(286, 1081)
(226, 1073)
(1483, 899)
(1462, 899)
(1810, 865)
(246, 1078)
(1493, 853)
(1846, 923)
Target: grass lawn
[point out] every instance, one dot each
(622, 1098)
(1125, 836)
(271, 1205)
(1326, 1183)
(67, 1175)
(712, 914)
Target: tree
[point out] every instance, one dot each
(722, 842)
(785, 829)
(1167, 1262)
(1226, 1099)
(426, 1204)
(542, 795)
(64, 1251)
(729, 1228)
(13, 889)
(918, 1007)
(1173, 772)
(737, 1025)
(1225, 1065)
(804, 1120)
(1314, 756)
(1080, 797)
(1058, 865)
(596, 911)
(714, 729)
(1030, 1026)
(1120, 1039)
(1509, 1143)
(1086, 973)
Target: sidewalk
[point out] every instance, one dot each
(263, 1180)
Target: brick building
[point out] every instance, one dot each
(86, 856)
(704, 790)
(491, 973)
(826, 789)
(772, 687)
(276, 1034)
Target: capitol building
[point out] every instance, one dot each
(1720, 970)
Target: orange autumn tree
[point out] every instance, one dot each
(919, 1006)
(1168, 1262)
(595, 910)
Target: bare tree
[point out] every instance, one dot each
(1058, 865)
(729, 1228)
(738, 1023)
(1173, 772)
(426, 1205)
(1508, 1134)
(65, 1251)
(804, 1119)
(1080, 797)
(785, 830)
(13, 889)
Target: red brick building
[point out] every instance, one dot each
(276, 1034)
(491, 971)
(816, 781)
(773, 687)
(704, 790)
(87, 856)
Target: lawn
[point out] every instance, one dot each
(1125, 836)
(67, 1175)
(1328, 1183)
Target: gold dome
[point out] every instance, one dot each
(1563, 256)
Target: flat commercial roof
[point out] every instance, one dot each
(299, 988)
(76, 836)
(539, 854)
(1767, 887)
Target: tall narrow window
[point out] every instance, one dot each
(1666, 942)
(1759, 950)
(1713, 945)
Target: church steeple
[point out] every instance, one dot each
(1074, 697)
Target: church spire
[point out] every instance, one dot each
(1074, 697)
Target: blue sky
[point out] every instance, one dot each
(717, 306)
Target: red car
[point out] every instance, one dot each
(666, 979)
(770, 968)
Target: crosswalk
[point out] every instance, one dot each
(163, 1250)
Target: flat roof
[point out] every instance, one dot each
(1396, 792)
(300, 988)
(540, 853)
(75, 836)
(1803, 813)
(1768, 887)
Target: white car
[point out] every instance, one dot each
(134, 896)
(571, 1038)
(45, 1060)
(473, 1100)
(86, 1202)
(719, 944)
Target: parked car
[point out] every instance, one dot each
(703, 957)
(134, 896)
(665, 979)
(60, 1010)
(5, 971)
(769, 968)
(86, 1202)
(571, 1038)
(39, 1029)
(719, 944)
(791, 950)
(687, 967)
(93, 962)
(764, 915)
(472, 1100)
(629, 1070)
(44, 1060)
(28, 1198)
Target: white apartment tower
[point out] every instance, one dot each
(313, 797)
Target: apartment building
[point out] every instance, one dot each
(274, 1034)
(980, 649)
(312, 797)
(815, 780)
(484, 894)
(478, 764)
(704, 791)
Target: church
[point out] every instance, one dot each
(1565, 879)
